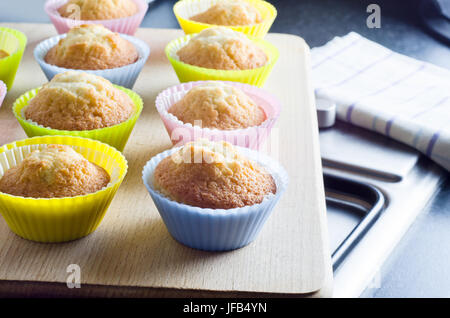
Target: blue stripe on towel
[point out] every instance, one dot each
(432, 142)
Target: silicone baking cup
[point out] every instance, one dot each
(116, 136)
(127, 25)
(60, 219)
(251, 137)
(190, 73)
(216, 229)
(3, 91)
(13, 42)
(185, 9)
(124, 76)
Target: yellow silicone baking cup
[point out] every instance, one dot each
(60, 219)
(191, 73)
(116, 136)
(13, 42)
(185, 9)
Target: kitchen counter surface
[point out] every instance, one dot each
(420, 265)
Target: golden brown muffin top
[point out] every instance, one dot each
(218, 105)
(222, 49)
(92, 47)
(97, 9)
(3, 54)
(55, 171)
(230, 13)
(79, 101)
(212, 175)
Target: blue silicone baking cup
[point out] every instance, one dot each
(216, 229)
(124, 76)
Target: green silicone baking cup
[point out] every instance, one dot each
(13, 42)
(116, 136)
(191, 73)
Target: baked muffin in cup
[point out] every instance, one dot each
(196, 15)
(59, 219)
(12, 46)
(251, 136)
(222, 49)
(94, 49)
(230, 193)
(123, 16)
(222, 54)
(80, 104)
(3, 91)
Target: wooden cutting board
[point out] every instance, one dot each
(132, 253)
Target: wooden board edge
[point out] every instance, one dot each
(32, 289)
(326, 289)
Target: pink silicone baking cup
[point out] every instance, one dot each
(251, 137)
(2, 92)
(127, 25)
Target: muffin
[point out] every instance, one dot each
(52, 188)
(212, 175)
(218, 105)
(55, 171)
(213, 196)
(92, 47)
(98, 9)
(229, 13)
(79, 101)
(221, 48)
(251, 17)
(3, 54)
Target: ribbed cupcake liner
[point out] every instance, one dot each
(124, 76)
(252, 137)
(60, 219)
(13, 42)
(3, 91)
(191, 73)
(216, 229)
(116, 136)
(127, 25)
(185, 9)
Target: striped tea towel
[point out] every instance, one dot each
(389, 93)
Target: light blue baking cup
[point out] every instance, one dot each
(216, 229)
(124, 76)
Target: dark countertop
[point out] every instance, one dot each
(318, 21)
(420, 264)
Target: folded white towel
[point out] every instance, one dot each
(389, 93)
